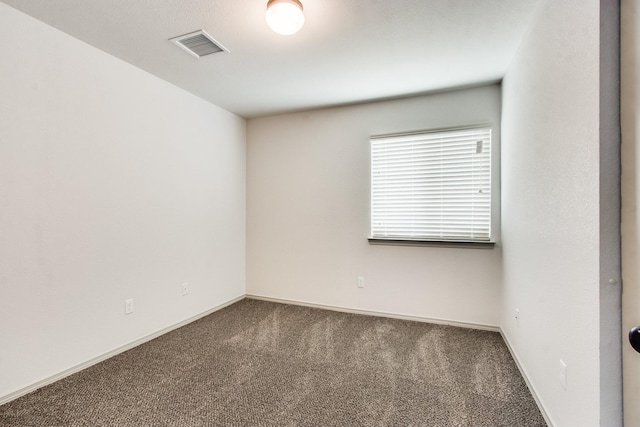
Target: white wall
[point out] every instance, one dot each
(113, 185)
(630, 197)
(553, 211)
(308, 213)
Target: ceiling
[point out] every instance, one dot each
(349, 51)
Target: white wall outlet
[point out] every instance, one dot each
(128, 306)
(516, 315)
(563, 374)
(360, 282)
(185, 288)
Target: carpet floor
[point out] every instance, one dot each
(259, 363)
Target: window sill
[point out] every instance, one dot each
(439, 243)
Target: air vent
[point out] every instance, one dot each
(198, 44)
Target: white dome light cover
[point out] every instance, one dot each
(285, 17)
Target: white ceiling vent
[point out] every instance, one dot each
(198, 44)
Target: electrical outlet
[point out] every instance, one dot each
(360, 282)
(185, 288)
(516, 315)
(563, 374)
(128, 306)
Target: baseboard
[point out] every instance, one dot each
(18, 393)
(468, 325)
(523, 372)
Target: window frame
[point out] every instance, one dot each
(434, 241)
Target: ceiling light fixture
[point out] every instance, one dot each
(285, 17)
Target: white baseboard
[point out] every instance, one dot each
(523, 372)
(468, 325)
(77, 368)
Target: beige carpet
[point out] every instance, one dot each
(258, 363)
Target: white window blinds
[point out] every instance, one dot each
(432, 186)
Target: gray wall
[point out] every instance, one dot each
(113, 185)
(560, 213)
(308, 186)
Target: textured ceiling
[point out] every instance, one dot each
(348, 51)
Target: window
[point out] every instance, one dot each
(432, 186)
